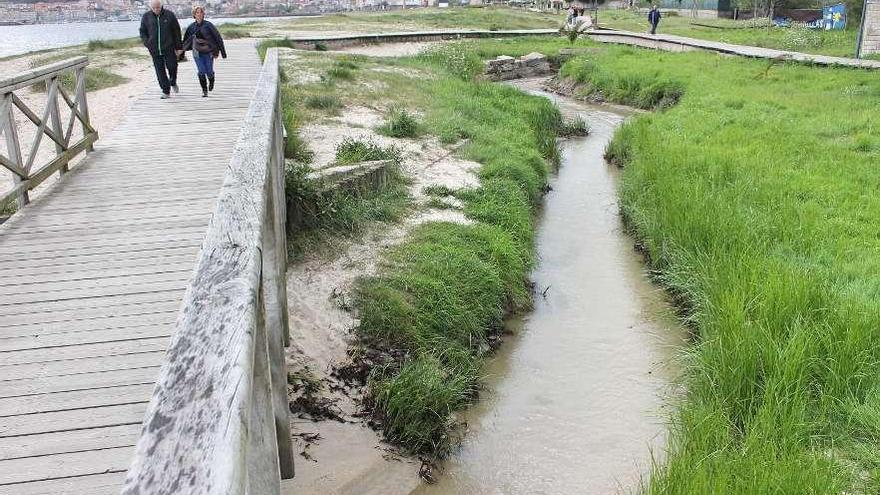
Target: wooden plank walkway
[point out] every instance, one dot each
(93, 274)
(678, 43)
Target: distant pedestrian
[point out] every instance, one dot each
(160, 34)
(206, 43)
(571, 15)
(654, 18)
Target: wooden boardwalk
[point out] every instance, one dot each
(93, 275)
(672, 42)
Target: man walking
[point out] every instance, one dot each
(160, 33)
(654, 18)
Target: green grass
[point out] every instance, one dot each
(328, 103)
(344, 211)
(263, 46)
(440, 297)
(755, 199)
(351, 151)
(432, 18)
(836, 43)
(640, 89)
(96, 77)
(233, 31)
(100, 45)
(295, 148)
(574, 127)
(337, 73)
(401, 124)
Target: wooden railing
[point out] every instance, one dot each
(218, 419)
(25, 177)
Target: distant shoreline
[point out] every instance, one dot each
(87, 21)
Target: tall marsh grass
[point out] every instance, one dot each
(755, 199)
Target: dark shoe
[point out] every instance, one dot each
(175, 88)
(204, 94)
(203, 82)
(211, 83)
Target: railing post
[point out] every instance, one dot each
(263, 470)
(275, 300)
(55, 114)
(13, 147)
(83, 103)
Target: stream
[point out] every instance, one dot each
(577, 400)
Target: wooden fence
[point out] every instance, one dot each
(25, 177)
(218, 419)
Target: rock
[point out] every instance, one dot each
(504, 68)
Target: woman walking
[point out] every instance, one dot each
(206, 43)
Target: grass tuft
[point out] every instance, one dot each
(294, 148)
(340, 73)
(574, 127)
(323, 102)
(351, 151)
(401, 124)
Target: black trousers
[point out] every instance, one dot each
(654, 28)
(166, 70)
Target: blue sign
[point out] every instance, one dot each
(834, 16)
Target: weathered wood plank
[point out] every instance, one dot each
(81, 366)
(17, 319)
(82, 381)
(99, 484)
(67, 442)
(81, 351)
(98, 292)
(76, 399)
(96, 281)
(76, 333)
(64, 465)
(72, 268)
(74, 419)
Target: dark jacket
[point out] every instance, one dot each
(207, 32)
(654, 16)
(160, 33)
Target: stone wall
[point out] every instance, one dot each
(505, 68)
(871, 30)
(301, 212)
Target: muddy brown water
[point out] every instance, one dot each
(578, 401)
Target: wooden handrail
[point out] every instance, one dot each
(49, 124)
(217, 422)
